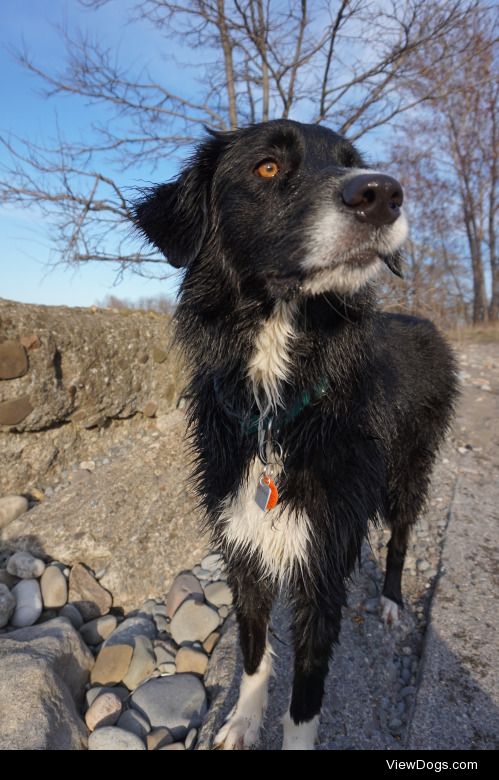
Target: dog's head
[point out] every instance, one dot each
(284, 204)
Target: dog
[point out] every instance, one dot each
(312, 412)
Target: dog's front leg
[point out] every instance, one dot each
(316, 627)
(253, 601)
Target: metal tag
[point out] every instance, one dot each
(266, 493)
(262, 496)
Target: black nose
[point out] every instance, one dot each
(374, 198)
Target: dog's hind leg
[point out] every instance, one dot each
(391, 599)
(253, 600)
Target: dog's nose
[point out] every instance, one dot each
(374, 198)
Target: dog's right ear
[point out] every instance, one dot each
(175, 216)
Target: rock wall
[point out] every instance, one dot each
(70, 378)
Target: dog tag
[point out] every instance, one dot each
(266, 493)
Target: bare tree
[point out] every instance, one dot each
(348, 63)
(449, 155)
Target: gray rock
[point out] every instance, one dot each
(193, 621)
(87, 594)
(104, 711)
(129, 629)
(95, 631)
(28, 603)
(11, 507)
(133, 721)
(164, 655)
(372, 605)
(142, 663)
(7, 605)
(54, 587)
(218, 593)
(114, 738)
(185, 586)
(72, 614)
(177, 702)
(25, 566)
(44, 672)
(162, 624)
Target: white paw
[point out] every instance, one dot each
(239, 732)
(241, 729)
(299, 736)
(389, 611)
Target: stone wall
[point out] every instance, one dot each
(70, 378)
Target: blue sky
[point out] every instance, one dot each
(26, 236)
(26, 273)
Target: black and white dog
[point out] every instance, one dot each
(312, 412)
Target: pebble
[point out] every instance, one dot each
(189, 660)
(219, 594)
(190, 739)
(70, 612)
(224, 612)
(117, 690)
(174, 746)
(138, 625)
(193, 621)
(395, 726)
(54, 587)
(423, 565)
(167, 667)
(212, 561)
(209, 644)
(142, 664)
(112, 664)
(11, 507)
(28, 603)
(89, 597)
(25, 566)
(185, 586)
(114, 738)
(133, 721)
(405, 676)
(177, 702)
(88, 465)
(7, 605)
(158, 738)
(95, 631)
(202, 574)
(164, 655)
(372, 606)
(162, 624)
(104, 711)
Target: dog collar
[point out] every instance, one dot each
(250, 423)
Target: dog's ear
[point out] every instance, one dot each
(175, 216)
(394, 263)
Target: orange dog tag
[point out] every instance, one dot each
(266, 493)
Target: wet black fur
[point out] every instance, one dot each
(366, 449)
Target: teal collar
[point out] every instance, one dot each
(249, 425)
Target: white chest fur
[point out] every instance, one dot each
(278, 539)
(270, 361)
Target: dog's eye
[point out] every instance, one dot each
(267, 169)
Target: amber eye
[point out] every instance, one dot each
(267, 169)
